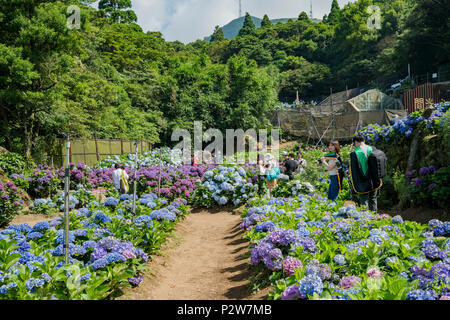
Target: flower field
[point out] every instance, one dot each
(108, 248)
(310, 248)
(301, 244)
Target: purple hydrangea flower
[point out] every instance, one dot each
(291, 292)
(291, 264)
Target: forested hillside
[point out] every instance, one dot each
(112, 79)
(231, 29)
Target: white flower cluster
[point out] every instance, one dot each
(226, 184)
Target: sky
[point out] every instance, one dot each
(189, 20)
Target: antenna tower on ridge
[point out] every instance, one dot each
(240, 8)
(311, 11)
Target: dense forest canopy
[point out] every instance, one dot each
(111, 79)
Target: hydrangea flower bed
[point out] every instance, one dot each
(108, 248)
(292, 188)
(314, 249)
(169, 157)
(429, 186)
(228, 185)
(406, 126)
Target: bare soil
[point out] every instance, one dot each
(420, 215)
(206, 259)
(31, 219)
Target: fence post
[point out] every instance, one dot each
(84, 152)
(70, 151)
(96, 146)
(121, 146)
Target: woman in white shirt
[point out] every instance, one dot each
(117, 176)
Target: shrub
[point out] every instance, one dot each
(12, 163)
(10, 204)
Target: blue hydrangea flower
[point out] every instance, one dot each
(34, 235)
(419, 294)
(32, 284)
(102, 217)
(81, 232)
(310, 284)
(41, 226)
(85, 277)
(125, 196)
(89, 244)
(339, 259)
(60, 239)
(397, 219)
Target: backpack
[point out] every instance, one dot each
(273, 174)
(124, 184)
(377, 164)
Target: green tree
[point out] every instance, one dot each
(116, 10)
(217, 35)
(266, 22)
(333, 17)
(425, 39)
(303, 16)
(248, 29)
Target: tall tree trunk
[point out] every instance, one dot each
(28, 128)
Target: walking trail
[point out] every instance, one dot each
(205, 259)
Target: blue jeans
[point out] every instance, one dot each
(333, 190)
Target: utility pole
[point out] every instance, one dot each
(66, 198)
(159, 177)
(136, 143)
(311, 10)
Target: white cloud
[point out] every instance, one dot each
(195, 19)
(189, 20)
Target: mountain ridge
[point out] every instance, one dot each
(231, 29)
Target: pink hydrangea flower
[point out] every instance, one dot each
(374, 273)
(348, 282)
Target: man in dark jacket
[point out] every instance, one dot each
(290, 165)
(361, 180)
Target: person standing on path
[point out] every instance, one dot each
(332, 168)
(359, 175)
(272, 171)
(117, 176)
(301, 163)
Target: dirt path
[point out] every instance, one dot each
(204, 260)
(31, 219)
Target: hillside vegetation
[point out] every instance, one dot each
(112, 79)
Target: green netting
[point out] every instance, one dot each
(86, 150)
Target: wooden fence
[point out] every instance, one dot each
(92, 151)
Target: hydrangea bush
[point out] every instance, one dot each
(10, 203)
(227, 185)
(429, 187)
